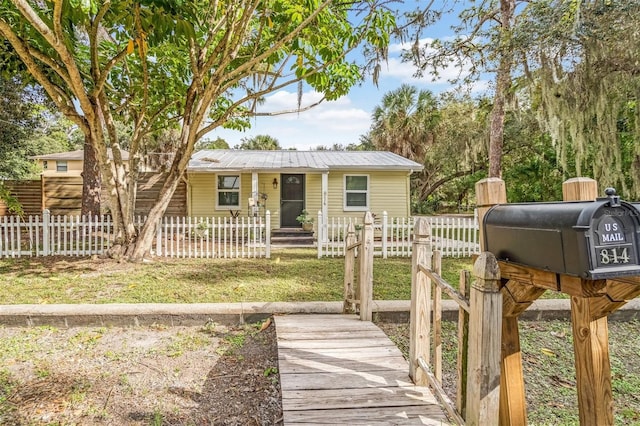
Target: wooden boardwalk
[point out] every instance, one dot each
(338, 370)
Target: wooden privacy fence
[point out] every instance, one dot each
(49, 235)
(479, 328)
(453, 236)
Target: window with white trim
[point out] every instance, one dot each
(356, 192)
(61, 166)
(228, 191)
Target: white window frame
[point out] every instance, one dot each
(218, 191)
(62, 166)
(353, 191)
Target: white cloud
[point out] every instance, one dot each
(338, 121)
(396, 68)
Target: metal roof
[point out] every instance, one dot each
(243, 160)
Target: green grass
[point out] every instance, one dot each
(289, 275)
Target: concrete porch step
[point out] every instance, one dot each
(292, 236)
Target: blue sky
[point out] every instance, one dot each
(344, 120)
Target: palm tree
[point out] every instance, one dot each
(261, 142)
(405, 121)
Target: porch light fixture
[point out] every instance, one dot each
(275, 183)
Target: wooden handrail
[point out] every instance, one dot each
(440, 393)
(446, 287)
(353, 246)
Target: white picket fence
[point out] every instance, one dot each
(453, 236)
(49, 235)
(243, 237)
(214, 237)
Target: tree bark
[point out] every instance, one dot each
(91, 181)
(503, 85)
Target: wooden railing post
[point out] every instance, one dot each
(437, 318)
(349, 264)
(420, 317)
(463, 345)
(485, 325)
(489, 192)
(366, 269)
(590, 336)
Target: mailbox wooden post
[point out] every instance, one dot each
(590, 336)
(588, 249)
(489, 192)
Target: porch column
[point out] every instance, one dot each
(325, 206)
(254, 183)
(254, 194)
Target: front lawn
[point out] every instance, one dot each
(290, 275)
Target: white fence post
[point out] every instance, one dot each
(46, 218)
(320, 236)
(385, 217)
(159, 237)
(267, 238)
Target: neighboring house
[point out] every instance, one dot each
(59, 188)
(66, 163)
(337, 183)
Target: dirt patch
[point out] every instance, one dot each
(216, 375)
(210, 375)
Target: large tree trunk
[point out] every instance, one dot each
(144, 241)
(503, 85)
(91, 181)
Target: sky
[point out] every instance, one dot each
(342, 121)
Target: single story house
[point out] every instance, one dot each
(336, 183)
(231, 183)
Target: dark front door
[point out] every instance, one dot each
(291, 199)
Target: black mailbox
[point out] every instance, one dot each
(591, 239)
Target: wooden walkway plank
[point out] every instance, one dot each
(336, 369)
(314, 365)
(311, 399)
(340, 353)
(354, 342)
